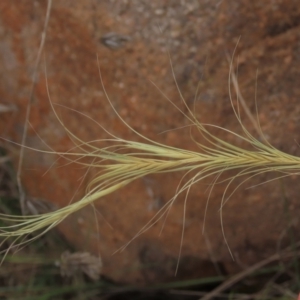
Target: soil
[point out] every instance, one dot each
(133, 40)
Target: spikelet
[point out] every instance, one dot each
(138, 159)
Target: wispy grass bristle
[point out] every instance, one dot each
(125, 161)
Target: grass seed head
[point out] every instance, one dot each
(125, 161)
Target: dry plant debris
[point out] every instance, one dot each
(80, 262)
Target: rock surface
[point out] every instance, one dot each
(132, 40)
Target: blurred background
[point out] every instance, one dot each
(133, 40)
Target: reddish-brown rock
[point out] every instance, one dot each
(200, 36)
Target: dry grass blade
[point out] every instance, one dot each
(30, 99)
(240, 276)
